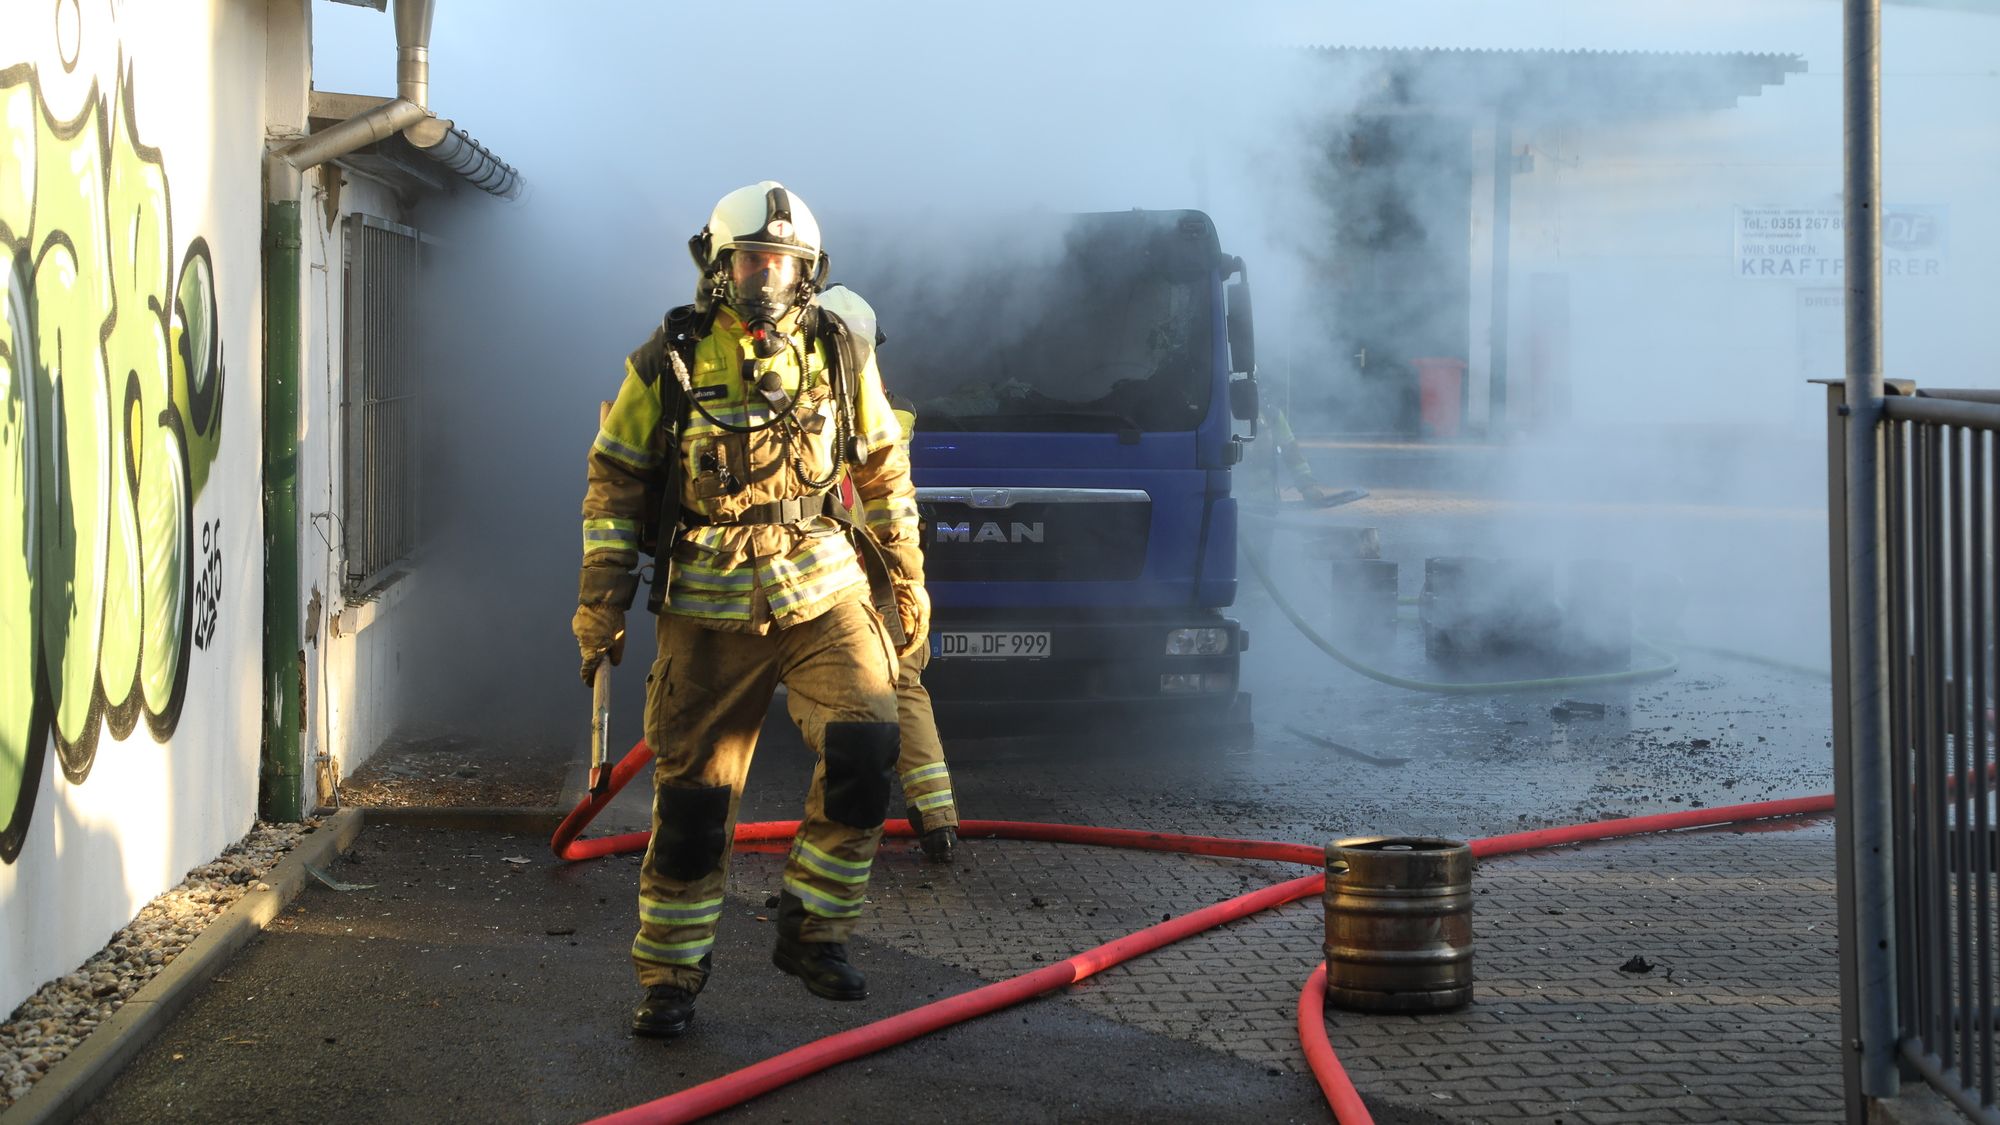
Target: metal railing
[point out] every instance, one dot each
(1935, 677)
(379, 402)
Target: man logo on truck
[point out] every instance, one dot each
(948, 532)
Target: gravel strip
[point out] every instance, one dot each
(51, 1023)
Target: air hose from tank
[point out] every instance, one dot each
(739, 1086)
(1666, 663)
(1666, 668)
(1812, 671)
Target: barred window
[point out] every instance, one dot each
(379, 401)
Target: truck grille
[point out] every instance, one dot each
(1034, 535)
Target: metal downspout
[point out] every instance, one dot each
(281, 786)
(280, 793)
(410, 105)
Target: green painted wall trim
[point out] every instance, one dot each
(280, 796)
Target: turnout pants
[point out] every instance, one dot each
(705, 703)
(926, 781)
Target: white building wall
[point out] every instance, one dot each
(130, 554)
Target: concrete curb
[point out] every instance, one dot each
(71, 1084)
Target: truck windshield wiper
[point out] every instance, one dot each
(932, 419)
(1108, 421)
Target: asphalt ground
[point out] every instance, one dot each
(441, 994)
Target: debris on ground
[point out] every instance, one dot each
(453, 771)
(333, 884)
(1349, 751)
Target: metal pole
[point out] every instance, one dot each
(1503, 230)
(1867, 772)
(1843, 790)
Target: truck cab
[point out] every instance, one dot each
(1073, 473)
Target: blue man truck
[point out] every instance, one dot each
(1072, 456)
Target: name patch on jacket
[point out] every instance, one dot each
(714, 391)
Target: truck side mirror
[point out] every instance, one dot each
(1242, 339)
(1243, 399)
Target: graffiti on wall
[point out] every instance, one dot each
(208, 589)
(111, 378)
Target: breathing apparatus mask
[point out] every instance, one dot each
(762, 288)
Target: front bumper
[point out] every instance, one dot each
(1097, 666)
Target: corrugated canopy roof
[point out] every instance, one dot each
(1556, 85)
(430, 156)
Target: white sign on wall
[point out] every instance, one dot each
(1822, 332)
(1805, 243)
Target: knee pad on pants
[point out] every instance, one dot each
(860, 761)
(689, 831)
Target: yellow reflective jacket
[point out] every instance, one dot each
(751, 577)
(1261, 467)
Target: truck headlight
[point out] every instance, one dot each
(1197, 642)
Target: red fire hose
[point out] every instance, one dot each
(731, 1089)
(1642, 825)
(1341, 1096)
(566, 845)
(719, 1094)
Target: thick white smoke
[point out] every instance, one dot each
(1682, 436)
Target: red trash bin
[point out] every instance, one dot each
(1440, 389)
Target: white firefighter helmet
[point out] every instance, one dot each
(763, 216)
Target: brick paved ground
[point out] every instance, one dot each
(1737, 1022)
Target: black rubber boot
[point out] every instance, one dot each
(666, 1011)
(822, 965)
(938, 844)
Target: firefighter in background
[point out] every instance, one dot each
(733, 423)
(1262, 483)
(1286, 448)
(926, 779)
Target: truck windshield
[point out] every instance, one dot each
(1112, 334)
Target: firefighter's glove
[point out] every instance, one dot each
(913, 607)
(603, 594)
(600, 633)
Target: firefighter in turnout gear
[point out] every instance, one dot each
(1285, 445)
(926, 779)
(732, 425)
